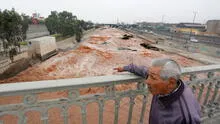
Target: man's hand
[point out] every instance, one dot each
(119, 69)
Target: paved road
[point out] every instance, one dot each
(180, 50)
(211, 40)
(196, 56)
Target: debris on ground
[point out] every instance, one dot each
(123, 48)
(127, 36)
(149, 46)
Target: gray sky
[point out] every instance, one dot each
(128, 11)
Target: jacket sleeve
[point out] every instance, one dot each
(192, 106)
(137, 70)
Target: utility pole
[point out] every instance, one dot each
(193, 23)
(190, 34)
(194, 16)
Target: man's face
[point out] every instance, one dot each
(156, 85)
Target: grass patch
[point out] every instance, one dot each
(60, 37)
(24, 43)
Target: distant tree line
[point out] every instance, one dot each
(13, 27)
(66, 24)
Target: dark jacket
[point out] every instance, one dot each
(179, 107)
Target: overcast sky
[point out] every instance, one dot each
(128, 11)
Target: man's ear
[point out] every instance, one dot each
(172, 83)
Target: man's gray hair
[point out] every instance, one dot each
(169, 68)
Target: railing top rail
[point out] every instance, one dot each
(47, 85)
(200, 69)
(85, 82)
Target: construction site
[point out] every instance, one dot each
(110, 62)
(98, 54)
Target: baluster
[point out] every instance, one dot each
(29, 99)
(207, 93)
(143, 109)
(22, 118)
(210, 75)
(217, 86)
(211, 112)
(208, 109)
(110, 90)
(65, 114)
(201, 89)
(141, 85)
(101, 108)
(83, 112)
(192, 77)
(117, 106)
(131, 109)
(218, 100)
(44, 116)
(194, 89)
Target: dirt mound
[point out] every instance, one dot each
(146, 54)
(99, 38)
(86, 49)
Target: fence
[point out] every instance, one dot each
(30, 100)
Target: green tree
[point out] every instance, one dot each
(62, 23)
(26, 20)
(52, 22)
(1, 25)
(12, 26)
(66, 23)
(78, 30)
(13, 29)
(89, 25)
(86, 25)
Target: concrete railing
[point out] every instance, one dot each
(30, 91)
(205, 83)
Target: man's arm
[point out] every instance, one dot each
(137, 70)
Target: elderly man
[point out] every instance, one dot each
(173, 101)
